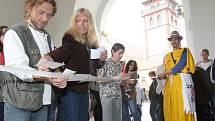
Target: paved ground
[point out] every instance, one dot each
(145, 114)
(145, 110)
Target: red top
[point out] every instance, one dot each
(1, 58)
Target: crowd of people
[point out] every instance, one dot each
(180, 90)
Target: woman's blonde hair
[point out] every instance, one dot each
(91, 39)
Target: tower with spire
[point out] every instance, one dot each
(160, 18)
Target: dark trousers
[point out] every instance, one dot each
(155, 109)
(212, 99)
(98, 107)
(161, 108)
(203, 112)
(1, 111)
(139, 109)
(52, 111)
(212, 102)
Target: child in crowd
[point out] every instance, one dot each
(110, 91)
(129, 92)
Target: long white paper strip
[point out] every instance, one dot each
(14, 70)
(69, 74)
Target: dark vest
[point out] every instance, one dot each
(152, 90)
(25, 94)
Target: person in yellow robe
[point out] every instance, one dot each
(179, 96)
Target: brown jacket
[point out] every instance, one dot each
(76, 57)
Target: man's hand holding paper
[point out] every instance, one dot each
(60, 83)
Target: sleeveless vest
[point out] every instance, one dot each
(25, 94)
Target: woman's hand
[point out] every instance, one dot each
(42, 60)
(103, 56)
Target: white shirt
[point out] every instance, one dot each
(204, 65)
(140, 97)
(161, 83)
(15, 56)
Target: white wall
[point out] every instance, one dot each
(203, 24)
(12, 12)
(61, 21)
(188, 26)
(95, 7)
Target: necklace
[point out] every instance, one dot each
(42, 31)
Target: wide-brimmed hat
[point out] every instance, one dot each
(175, 34)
